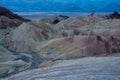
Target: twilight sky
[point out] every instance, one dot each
(61, 5)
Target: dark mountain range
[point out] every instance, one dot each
(9, 19)
(9, 14)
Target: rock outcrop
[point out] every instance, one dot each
(78, 22)
(6, 22)
(28, 35)
(9, 19)
(10, 63)
(9, 14)
(54, 20)
(114, 15)
(72, 47)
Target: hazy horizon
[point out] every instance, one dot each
(41, 15)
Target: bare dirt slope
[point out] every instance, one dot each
(102, 68)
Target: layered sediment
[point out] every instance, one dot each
(76, 47)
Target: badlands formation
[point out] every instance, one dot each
(60, 48)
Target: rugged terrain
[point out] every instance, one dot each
(9, 19)
(102, 68)
(81, 48)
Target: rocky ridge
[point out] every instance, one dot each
(9, 19)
